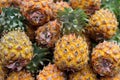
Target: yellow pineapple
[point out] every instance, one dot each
(90, 6)
(16, 50)
(106, 58)
(85, 74)
(22, 75)
(51, 72)
(48, 34)
(102, 25)
(116, 77)
(71, 53)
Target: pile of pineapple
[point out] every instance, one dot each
(59, 40)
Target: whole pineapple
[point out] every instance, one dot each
(51, 72)
(90, 6)
(48, 34)
(116, 77)
(102, 25)
(71, 53)
(37, 12)
(85, 74)
(2, 73)
(22, 75)
(16, 50)
(106, 59)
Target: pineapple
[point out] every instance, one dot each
(116, 77)
(5, 3)
(51, 72)
(2, 73)
(22, 75)
(48, 34)
(71, 53)
(16, 50)
(85, 74)
(37, 12)
(90, 6)
(102, 25)
(106, 59)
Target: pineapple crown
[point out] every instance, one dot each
(11, 19)
(42, 56)
(114, 6)
(73, 21)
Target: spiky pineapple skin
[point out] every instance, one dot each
(16, 49)
(106, 59)
(51, 72)
(85, 74)
(37, 12)
(59, 6)
(71, 53)
(22, 75)
(48, 34)
(102, 25)
(90, 6)
(116, 77)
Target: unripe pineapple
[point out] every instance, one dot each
(102, 25)
(51, 72)
(71, 53)
(85, 74)
(2, 73)
(106, 58)
(48, 34)
(22, 75)
(16, 50)
(90, 6)
(116, 77)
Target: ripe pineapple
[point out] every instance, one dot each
(106, 59)
(90, 6)
(102, 25)
(71, 53)
(116, 77)
(48, 34)
(22, 75)
(5, 3)
(2, 74)
(37, 12)
(51, 72)
(16, 50)
(85, 74)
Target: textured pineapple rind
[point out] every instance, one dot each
(71, 53)
(102, 25)
(106, 58)
(48, 34)
(2, 73)
(16, 46)
(51, 72)
(85, 74)
(22, 75)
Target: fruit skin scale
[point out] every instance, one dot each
(106, 59)
(71, 53)
(16, 50)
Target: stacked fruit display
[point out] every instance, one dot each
(59, 40)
